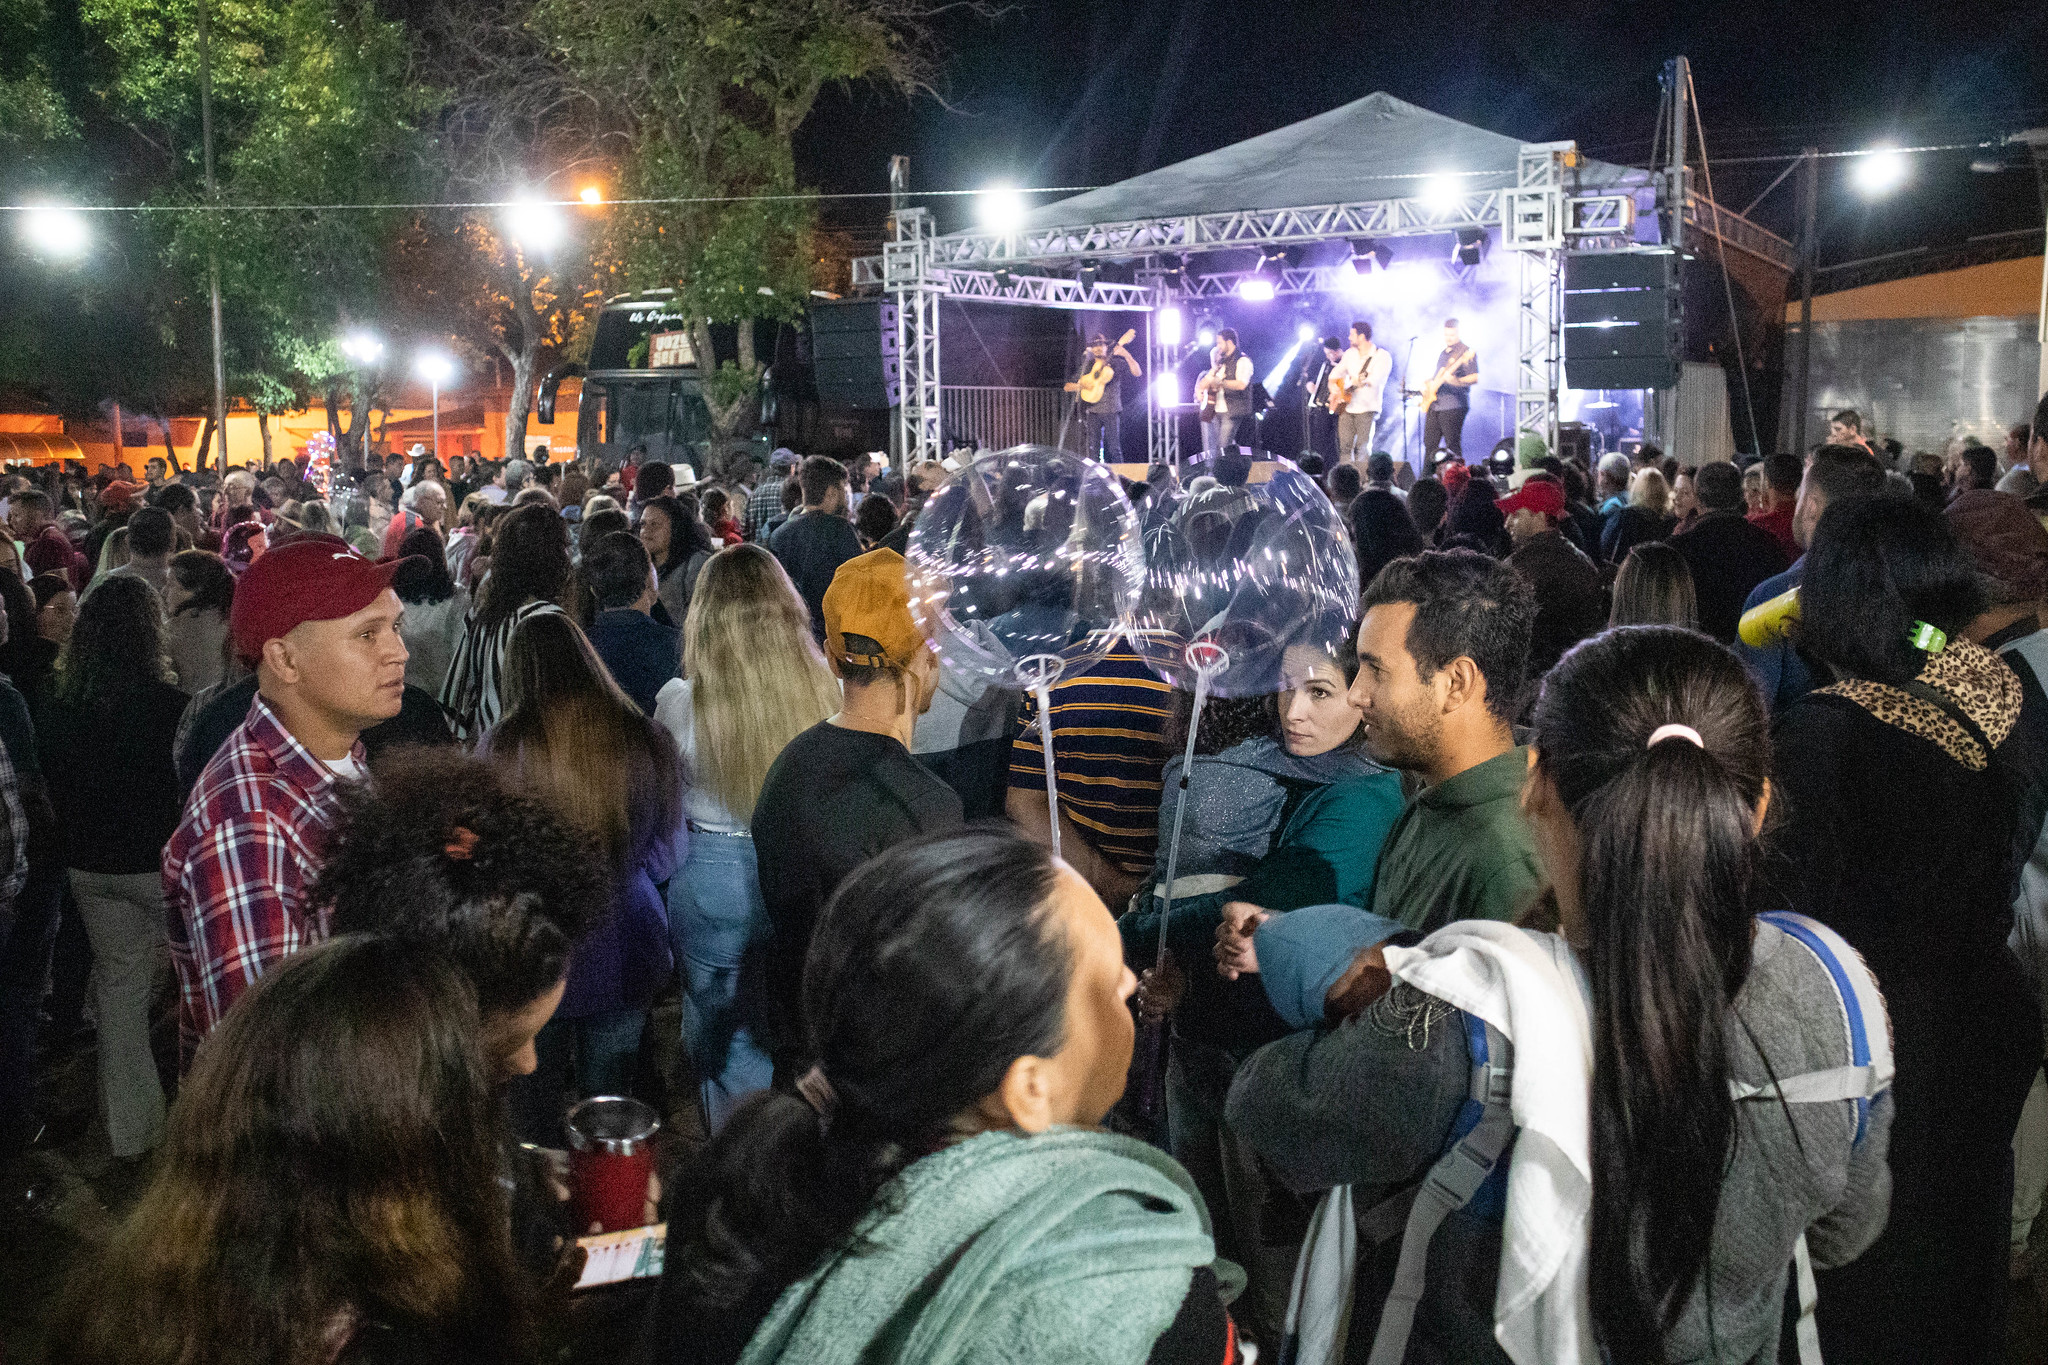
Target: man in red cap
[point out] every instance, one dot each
(319, 623)
(1571, 601)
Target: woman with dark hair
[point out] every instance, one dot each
(574, 739)
(1902, 795)
(198, 595)
(29, 655)
(328, 1191)
(1381, 532)
(679, 545)
(1474, 514)
(529, 569)
(1659, 997)
(105, 739)
(936, 1186)
(436, 610)
(1427, 503)
(1654, 588)
(719, 520)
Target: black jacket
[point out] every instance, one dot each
(1728, 556)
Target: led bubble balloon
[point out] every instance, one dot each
(1025, 566)
(1237, 576)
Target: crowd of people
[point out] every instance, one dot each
(1663, 856)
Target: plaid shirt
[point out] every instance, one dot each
(764, 504)
(237, 872)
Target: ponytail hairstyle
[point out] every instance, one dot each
(933, 968)
(1667, 848)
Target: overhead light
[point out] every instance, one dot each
(1441, 192)
(1000, 208)
(56, 230)
(1471, 245)
(434, 367)
(1880, 170)
(1087, 275)
(1171, 321)
(1255, 289)
(1004, 279)
(535, 224)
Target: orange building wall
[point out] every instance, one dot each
(2000, 289)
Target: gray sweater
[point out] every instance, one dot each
(1371, 1103)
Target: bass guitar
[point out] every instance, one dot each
(1442, 376)
(1094, 381)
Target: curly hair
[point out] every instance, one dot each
(116, 649)
(439, 851)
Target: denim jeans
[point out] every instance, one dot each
(594, 1055)
(715, 914)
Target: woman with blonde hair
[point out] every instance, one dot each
(573, 739)
(753, 680)
(1646, 518)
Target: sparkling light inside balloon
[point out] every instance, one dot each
(1251, 572)
(1025, 566)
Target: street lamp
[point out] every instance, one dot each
(1880, 170)
(56, 230)
(591, 195)
(1001, 208)
(436, 369)
(535, 224)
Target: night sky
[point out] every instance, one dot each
(1063, 93)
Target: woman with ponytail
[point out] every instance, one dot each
(935, 1189)
(1902, 778)
(1648, 786)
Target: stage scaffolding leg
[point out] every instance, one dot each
(1162, 424)
(1535, 227)
(907, 274)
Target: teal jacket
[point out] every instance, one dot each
(1074, 1246)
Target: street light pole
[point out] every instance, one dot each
(435, 382)
(1809, 255)
(220, 374)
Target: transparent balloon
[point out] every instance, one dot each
(1236, 577)
(1025, 566)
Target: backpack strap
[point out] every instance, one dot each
(1451, 1184)
(1868, 1073)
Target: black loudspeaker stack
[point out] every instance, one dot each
(853, 353)
(1621, 320)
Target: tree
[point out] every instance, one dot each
(708, 95)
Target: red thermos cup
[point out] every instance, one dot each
(611, 1156)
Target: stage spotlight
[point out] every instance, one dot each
(1205, 335)
(1087, 275)
(1171, 321)
(1470, 248)
(1166, 389)
(1441, 192)
(1306, 331)
(1255, 289)
(56, 231)
(1000, 208)
(1880, 170)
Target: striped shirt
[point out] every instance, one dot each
(470, 695)
(1107, 726)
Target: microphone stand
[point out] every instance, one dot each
(1408, 401)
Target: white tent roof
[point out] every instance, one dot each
(1374, 148)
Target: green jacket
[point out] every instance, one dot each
(1462, 850)
(1074, 1246)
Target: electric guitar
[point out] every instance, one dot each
(1437, 380)
(1094, 380)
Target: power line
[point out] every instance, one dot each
(519, 203)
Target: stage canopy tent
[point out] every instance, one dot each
(1374, 148)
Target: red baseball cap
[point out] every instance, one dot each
(119, 495)
(310, 578)
(1538, 495)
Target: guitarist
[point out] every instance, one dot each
(1102, 419)
(1225, 394)
(1360, 380)
(1457, 370)
(1322, 424)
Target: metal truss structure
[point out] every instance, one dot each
(1542, 216)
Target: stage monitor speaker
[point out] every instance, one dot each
(1575, 442)
(853, 353)
(1621, 320)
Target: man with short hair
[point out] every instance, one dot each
(151, 537)
(1833, 474)
(493, 491)
(1225, 390)
(1782, 477)
(641, 653)
(1728, 556)
(32, 519)
(1571, 598)
(1344, 489)
(764, 500)
(1610, 484)
(1442, 650)
(1845, 428)
(183, 505)
(1379, 475)
(425, 504)
(319, 623)
(1458, 368)
(1363, 374)
(847, 788)
(155, 470)
(813, 544)
(1973, 466)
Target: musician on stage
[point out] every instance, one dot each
(1362, 375)
(1321, 436)
(1457, 370)
(1224, 394)
(1102, 419)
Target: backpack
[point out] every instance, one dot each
(1471, 1175)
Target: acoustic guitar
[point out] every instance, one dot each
(1094, 381)
(1437, 380)
(1341, 391)
(1210, 389)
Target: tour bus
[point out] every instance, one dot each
(641, 384)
